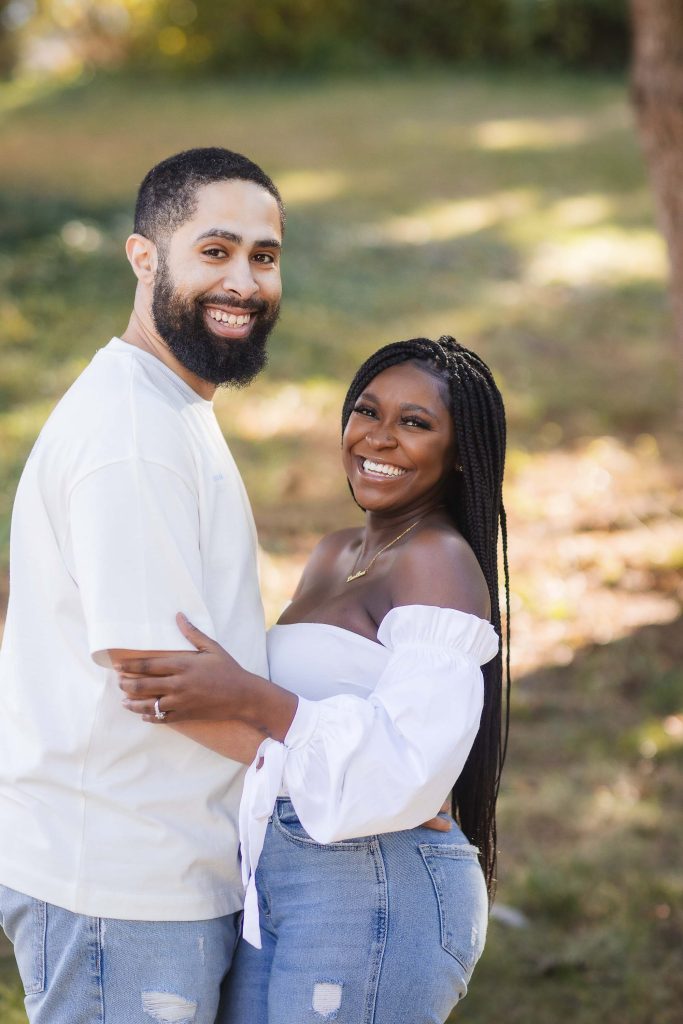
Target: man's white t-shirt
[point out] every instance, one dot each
(129, 510)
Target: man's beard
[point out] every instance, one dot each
(221, 361)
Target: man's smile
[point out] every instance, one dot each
(229, 322)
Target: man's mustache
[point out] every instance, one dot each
(249, 306)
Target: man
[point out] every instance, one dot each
(119, 882)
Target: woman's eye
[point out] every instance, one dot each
(364, 410)
(415, 421)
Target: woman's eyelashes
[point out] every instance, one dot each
(408, 420)
(365, 410)
(415, 421)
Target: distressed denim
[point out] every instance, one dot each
(380, 930)
(94, 970)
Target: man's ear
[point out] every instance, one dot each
(143, 257)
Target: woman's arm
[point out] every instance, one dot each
(205, 686)
(232, 739)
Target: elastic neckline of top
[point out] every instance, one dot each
(331, 625)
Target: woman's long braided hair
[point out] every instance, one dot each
(474, 499)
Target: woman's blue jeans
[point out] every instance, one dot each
(381, 930)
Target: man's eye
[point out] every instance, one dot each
(214, 253)
(264, 257)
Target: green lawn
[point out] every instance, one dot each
(512, 212)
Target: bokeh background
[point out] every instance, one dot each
(462, 168)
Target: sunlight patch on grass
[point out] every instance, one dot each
(278, 577)
(609, 256)
(594, 558)
(546, 133)
(276, 410)
(618, 804)
(657, 736)
(20, 426)
(307, 187)
(438, 222)
(583, 211)
(25, 90)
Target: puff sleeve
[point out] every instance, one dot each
(356, 766)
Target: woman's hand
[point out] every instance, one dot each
(185, 686)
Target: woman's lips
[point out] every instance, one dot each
(377, 469)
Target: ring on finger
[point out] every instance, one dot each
(158, 713)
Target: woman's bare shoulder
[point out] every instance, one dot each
(438, 567)
(334, 544)
(325, 555)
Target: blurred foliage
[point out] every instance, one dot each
(8, 41)
(268, 36)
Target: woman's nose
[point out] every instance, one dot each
(381, 438)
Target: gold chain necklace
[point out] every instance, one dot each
(368, 567)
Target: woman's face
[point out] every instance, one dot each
(399, 443)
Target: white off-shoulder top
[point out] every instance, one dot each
(381, 732)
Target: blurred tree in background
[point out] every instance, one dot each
(232, 36)
(657, 89)
(8, 41)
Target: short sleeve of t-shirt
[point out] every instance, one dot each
(134, 553)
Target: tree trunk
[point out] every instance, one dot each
(657, 94)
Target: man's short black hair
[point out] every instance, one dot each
(168, 194)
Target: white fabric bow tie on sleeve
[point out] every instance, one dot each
(261, 789)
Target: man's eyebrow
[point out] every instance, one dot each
(230, 236)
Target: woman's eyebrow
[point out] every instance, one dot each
(412, 406)
(367, 396)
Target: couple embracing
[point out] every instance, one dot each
(137, 679)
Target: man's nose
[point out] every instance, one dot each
(239, 278)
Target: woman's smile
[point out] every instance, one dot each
(380, 470)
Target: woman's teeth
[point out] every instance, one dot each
(382, 467)
(230, 318)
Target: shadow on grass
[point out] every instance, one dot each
(590, 823)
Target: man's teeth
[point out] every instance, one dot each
(382, 467)
(230, 318)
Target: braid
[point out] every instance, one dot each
(475, 503)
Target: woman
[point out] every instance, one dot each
(377, 709)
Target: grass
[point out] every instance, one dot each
(511, 211)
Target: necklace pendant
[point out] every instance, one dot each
(356, 575)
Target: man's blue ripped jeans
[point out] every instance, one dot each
(95, 970)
